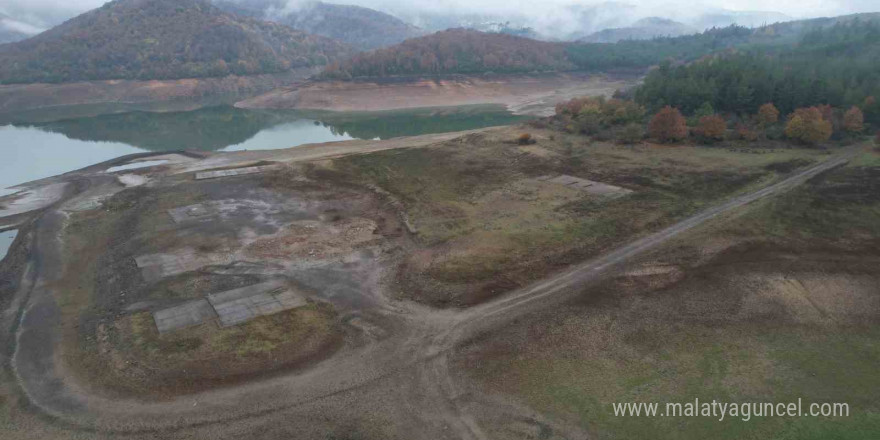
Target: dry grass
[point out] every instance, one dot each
(488, 225)
(777, 303)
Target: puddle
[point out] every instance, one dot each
(136, 165)
(6, 239)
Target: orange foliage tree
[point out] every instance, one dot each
(809, 126)
(711, 128)
(768, 114)
(668, 125)
(854, 120)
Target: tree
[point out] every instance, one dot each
(768, 114)
(808, 126)
(711, 128)
(668, 125)
(705, 110)
(854, 120)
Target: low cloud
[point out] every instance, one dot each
(546, 15)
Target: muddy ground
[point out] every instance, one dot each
(449, 286)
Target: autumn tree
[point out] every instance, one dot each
(854, 120)
(711, 128)
(808, 125)
(768, 114)
(668, 125)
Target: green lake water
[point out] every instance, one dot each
(34, 150)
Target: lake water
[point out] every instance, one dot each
(6, 239)
(31, 151)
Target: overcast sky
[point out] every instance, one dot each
(45, 12)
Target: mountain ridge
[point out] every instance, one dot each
(162, 39)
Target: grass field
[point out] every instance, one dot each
(488, 225)
(776, 303)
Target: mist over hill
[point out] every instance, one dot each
(12, 30)
(363, 28)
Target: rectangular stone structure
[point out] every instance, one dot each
(233, 172)
(185, 315)
(586, 185)
(231, 307)
(157, 266)
(240, 305)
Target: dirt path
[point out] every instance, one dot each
(415, 359)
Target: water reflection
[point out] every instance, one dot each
(30, 151)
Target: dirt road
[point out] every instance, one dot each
(409, 368)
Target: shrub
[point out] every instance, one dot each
(711, 128)
(590, 115)
(668, 125)
(854, 120)
(743, 132)
(525, 139)
(631, 134)
(808, 126)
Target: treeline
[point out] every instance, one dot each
(644, 53)
(456, 51)
(162, 39)
(627, 122)
(837, 66)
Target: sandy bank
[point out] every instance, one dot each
(523, 94)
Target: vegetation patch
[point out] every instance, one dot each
(487, 222)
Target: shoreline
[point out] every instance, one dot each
(533, 95)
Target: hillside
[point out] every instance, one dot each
(834, 65)
(644, 29)
(363, 28)
(456, 51)
(162, 39)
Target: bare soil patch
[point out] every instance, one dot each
(534, 95)
(276, 224)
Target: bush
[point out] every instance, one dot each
(809, 126)
(631, 134)
(525, 139)
(591, 115)
(711, 128)
(743, 132)
(854, 120)
(668, 125)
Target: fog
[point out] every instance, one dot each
(547, 16)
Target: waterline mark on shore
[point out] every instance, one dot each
(730, 410)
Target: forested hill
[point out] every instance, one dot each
(471, 52)
(456, 51)
(162, 39)
(363, 28)
(837, 65)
